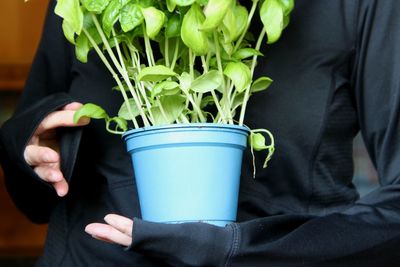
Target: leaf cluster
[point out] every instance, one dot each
(175, 61)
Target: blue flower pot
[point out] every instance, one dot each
(188, 172)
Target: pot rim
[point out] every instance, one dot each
(206, 125)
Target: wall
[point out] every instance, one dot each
(20, 25)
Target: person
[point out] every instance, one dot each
(336, 72)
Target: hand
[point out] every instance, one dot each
(42, 151)
(118, 230)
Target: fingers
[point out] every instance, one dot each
(36, 155)
(122, 224)
(109, 233)
(61, 118)
(46, 163)
(72, 106)
(54, 176)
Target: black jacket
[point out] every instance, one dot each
(336, 72)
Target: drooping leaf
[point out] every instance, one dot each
(261, 84)
(91, 111)
(121, 123)
(246, 53)
(271, 14)
(257, 141)
(154, 20)
(124, 112)
(95, 6)
(131, 16)
(215, 11)
(240, 75)
(155, 73)
(207, 82)
(82, 48)
(69, 32)
(191, 34)
(71, 12)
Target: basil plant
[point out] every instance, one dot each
(176, 61)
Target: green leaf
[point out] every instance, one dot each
(95, 6)
(207, 82)
(241, 16)
(111, 15)
(173, 27)
(131, 17)
(271, 14)
(240, 75)
(69, 32)
(154, 21)
(183, 2)
(165, 88)
(171, 5)
(191, 34)
(205, 101)
(185, 81)
(261, 84)
(228, 26)
(121, 123)
(123, 110)
(91, 111)
(257, 141)
(71, 12)
(288, 6)
(155, 73)
(215, 11)
(246, 53)
(82, 48)
(173, 107)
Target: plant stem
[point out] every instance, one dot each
(219, 108)
(115, 76)
(184, 119)
(166, 52)
(149, 50)
(121, 71)
(224, 110)
(253, 66)
(195, 106)
(175, 54)
(162, 109)
(249, 19)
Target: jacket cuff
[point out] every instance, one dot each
(194, 244)
(29, 192)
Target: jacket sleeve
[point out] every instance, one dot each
(45, 91)
(367, 233)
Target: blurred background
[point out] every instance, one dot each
(20, 24)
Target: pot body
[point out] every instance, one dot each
(188, 172)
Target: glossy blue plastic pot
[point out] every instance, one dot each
(188, 172)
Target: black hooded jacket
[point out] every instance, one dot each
(336, 72)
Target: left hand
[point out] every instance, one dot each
(117, 229)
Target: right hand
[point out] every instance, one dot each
(42, 151)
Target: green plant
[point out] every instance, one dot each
(176, 61)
